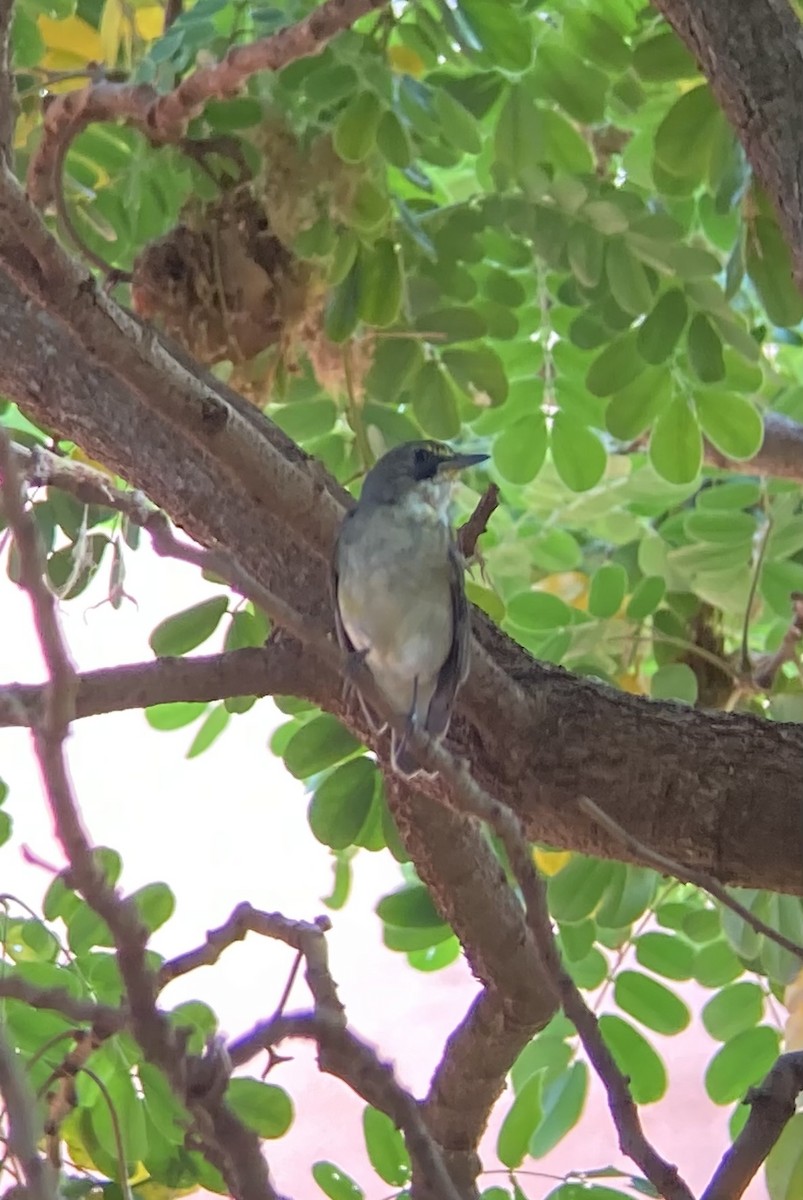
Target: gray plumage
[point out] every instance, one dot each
(399, 591)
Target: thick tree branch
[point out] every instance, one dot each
(684, 782)
(164, 118)
(7, 93)
(772, 1106)
(752, 55)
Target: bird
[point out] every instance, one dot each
(399, 593)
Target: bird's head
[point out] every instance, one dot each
(420, 470)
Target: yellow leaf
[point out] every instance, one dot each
(569, 586)
(631, 681)
(405, 61)
(112, 21)
(549, 862)
(150, 22)
(80, 456)
(72, 37)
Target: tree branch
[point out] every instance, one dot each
(772, 1106)
(780, 454)
(164, 118)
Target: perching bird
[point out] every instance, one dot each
(400, 601)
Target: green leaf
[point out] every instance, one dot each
(435, 402)
(676, 446)
(634, 408)
(627, 279)
(318, 744)
(210, 730)
(386, 1148)
(520, 1123)
(479, 371)
(340, 806)
(354, 134)
(505, 36)
(409, 907)
(615, 366)
(576, 891)
(715, 964)
(455, 324)
(578, 454)
(684, 139)
(710, 525)
(520, 449)
(650, 1002)
(578, 87)
(705, 350)
(334, 1183)
(595, 39)
(784, 1164)
(393, 140)
(538, 610)
(342, 306)
(607, 590)
(770, 267)
(666, 954)
(457, 123)
(381, 281)
(304, 420)
(263, 1107)
(660, 332)
(734, 1009)
(187, 629)
(741, 1063)
(562, 1104)
(586, 250)
(174, 716)
(629, 893)
(674, 681)
(732, 423)
(646, 597)
(155, 904)
(663, 58)
(636, 1058)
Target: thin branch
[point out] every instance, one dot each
(102, 1017)
(23, 1134)
(271, 670)
(668, 866)
(469, 534)
(346, 1056)
(164, 118)
(772, 1106)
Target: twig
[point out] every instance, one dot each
(23, 1135)
(772, 1105)
(343, 1054)
(668, 866)
(164, 118)
(102, 1017)
(469, 534)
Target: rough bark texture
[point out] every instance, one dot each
(688, 784)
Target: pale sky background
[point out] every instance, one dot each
(231, 826)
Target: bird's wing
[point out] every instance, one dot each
(455, 669)
(377, 723)
(340, 629)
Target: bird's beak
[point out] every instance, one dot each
(460, 462)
